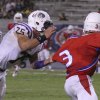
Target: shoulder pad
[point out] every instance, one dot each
(24, 29)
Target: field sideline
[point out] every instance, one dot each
(40, 85)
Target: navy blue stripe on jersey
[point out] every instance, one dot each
(28, 28)
(90, 65)
(29, 35)
(97, 49)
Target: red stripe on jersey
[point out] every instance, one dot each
(85, 83)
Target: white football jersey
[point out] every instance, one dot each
(43, 54)
(9, 47)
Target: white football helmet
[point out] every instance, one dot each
(92, 22)
(18, 17)
(37, 19)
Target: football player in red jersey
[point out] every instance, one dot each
(18, 18)
(80, 55)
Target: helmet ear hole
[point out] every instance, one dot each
(37, 23)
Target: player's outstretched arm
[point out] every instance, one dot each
(25, 43)
(42, 63)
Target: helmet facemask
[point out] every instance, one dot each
(46, 25)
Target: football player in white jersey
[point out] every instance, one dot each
(23, 37)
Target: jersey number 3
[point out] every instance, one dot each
(68, 56)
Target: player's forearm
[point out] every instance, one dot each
(43, 63)
(25, 43)
(29, 44)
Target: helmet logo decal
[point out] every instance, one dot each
(41, 15)
(34, 15)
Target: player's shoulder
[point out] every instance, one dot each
(24, 25)
(24, 29)
(90, 34)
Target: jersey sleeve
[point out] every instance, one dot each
(23, 29)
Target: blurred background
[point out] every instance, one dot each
(61, 11)
(73, 11)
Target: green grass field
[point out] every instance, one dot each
(40, 85)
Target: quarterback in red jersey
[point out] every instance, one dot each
(80, 55)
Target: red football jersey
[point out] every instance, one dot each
(80, 55)
(10, 26)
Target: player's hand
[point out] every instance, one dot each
(49, 31)
(50, 58)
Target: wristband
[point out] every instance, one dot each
(39, 64)
(41, 38)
